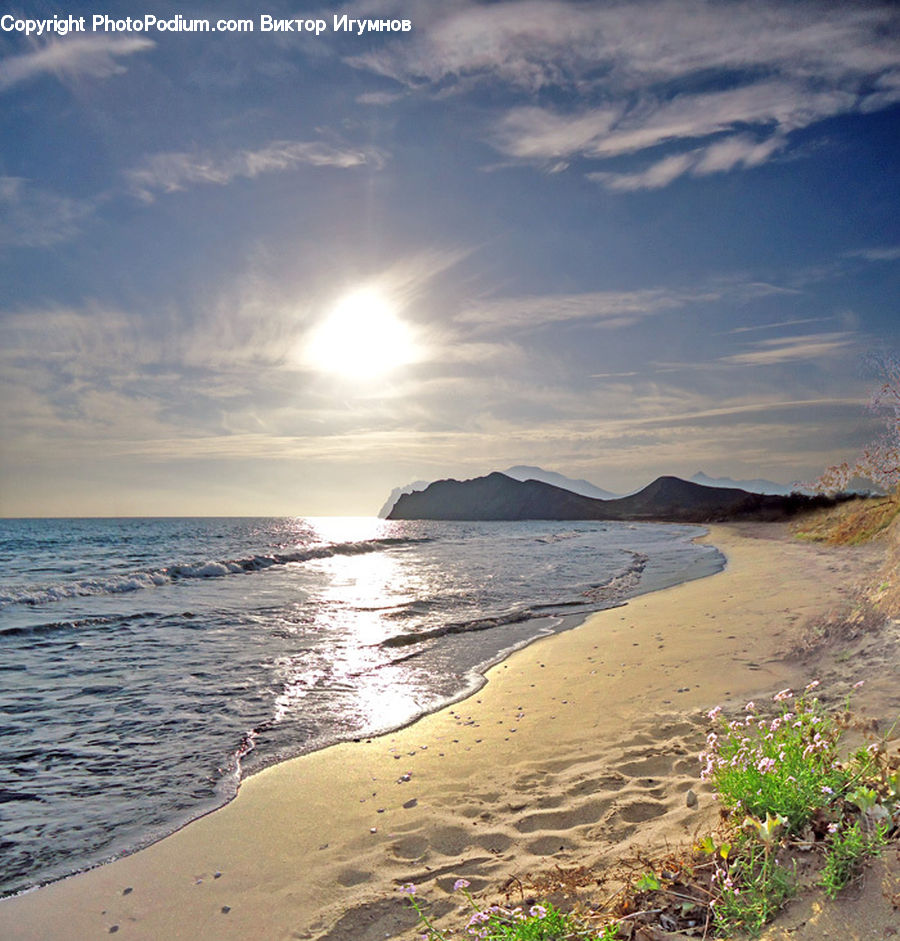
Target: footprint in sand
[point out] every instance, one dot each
(450, 841)
(587, 813)
(639, 811)
(410, 847)
(656, 766)
(350, 877)
(494, 842)
(549, 845)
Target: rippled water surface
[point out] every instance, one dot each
(146, 664)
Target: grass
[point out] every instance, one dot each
(784, 789)
(751, 889)
(850, 846)
(850, 523)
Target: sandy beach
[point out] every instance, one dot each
(579, 750)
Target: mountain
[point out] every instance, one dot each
(667, 499)
(519, 472)
(397, 492)
(757, 485)
(584, 487)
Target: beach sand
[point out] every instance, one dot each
(579, 751)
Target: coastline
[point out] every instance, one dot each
(580, 744)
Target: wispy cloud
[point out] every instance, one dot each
(91, 56)
(792, 349)
(720, 157)
(882, 253)
(607, 309)
(35, 217)
(171, 172)
(749, 70)
(776, 325)
(604, 308)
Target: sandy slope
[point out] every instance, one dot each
(579, 749)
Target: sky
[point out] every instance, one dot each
(281, 273)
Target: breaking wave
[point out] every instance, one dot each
(137, 581)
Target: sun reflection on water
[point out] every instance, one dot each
(359, 603)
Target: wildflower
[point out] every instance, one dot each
(826, 789)
(409, 888)
(714, 713)
(461, 884)
(858, 685)
(537, 911)
(765, 765)
(783, 695)
(751, 706)
(811, 686)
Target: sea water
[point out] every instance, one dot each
(146, 665)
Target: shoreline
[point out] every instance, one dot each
(294, 852)
(471, 681)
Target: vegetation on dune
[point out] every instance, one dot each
(851, 523)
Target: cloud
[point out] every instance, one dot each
(379, 98)
(531, 44)
(884, 253)
(792, 349)
(776, 325)
(171, 172)
(604, 308)
(655, 72)
(720, 157)
(92, 56)
(35, 217)
(607, 309)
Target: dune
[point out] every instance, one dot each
(579, 751)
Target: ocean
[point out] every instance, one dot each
(147, 665)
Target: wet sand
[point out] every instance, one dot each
(580, 749)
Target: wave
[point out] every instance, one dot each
(137, 581)
(457, 627)
(609, 594)
(115, 621)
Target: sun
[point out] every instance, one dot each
(361, 338)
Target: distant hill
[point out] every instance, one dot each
(667, 499)
(519, 472)
(758, 485)
(397, 492)
(584, 487)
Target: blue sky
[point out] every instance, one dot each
(619, 239)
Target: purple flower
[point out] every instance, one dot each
(461, 884)
(409, 888)
(537, 911)
(783, 695)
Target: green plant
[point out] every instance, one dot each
(783, 768)
(647, 883)
(496, 923)
(848, 847)
(751, 888)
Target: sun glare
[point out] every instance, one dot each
(361, 338)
